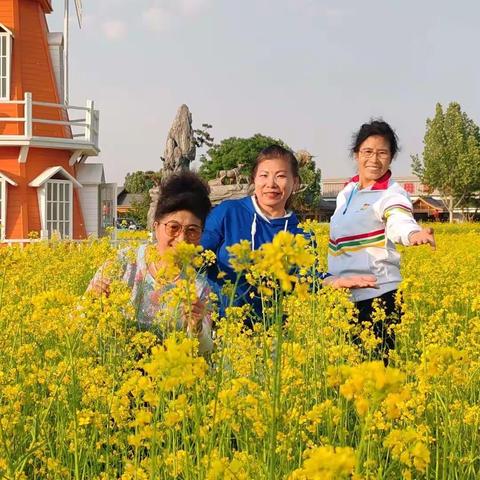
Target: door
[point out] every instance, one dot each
(108, 207)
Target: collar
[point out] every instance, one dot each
(265, 217)
(380, 184)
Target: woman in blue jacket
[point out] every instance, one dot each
(258, 218)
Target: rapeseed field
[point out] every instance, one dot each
(85, 394)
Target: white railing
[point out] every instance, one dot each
(84, 129)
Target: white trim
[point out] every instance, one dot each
(42, 206)
(7, 30)
(5, 181)
(23, 154)
(28, 114)
(3, 207)
(5, 177)
(87, 148)
(47, 174)
(8, 63)
(74, 157)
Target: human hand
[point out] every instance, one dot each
(100, 286)
(194, 316)
(352, 281)
(422, 237)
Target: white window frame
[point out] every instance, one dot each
(49, 206)
(4, 185)
(6, 34)
(3, 207)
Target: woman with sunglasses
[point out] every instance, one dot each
(180, 216)
(373, 213)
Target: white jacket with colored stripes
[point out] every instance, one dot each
(364, 229)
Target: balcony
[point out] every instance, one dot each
(29, 123)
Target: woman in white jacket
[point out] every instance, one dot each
(373, 213)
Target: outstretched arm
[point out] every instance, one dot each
(351, 281)
(422, 237)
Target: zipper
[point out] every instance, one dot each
(352, 193)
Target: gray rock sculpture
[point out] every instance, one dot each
(154, 193)
(234, 176)
(180, 146)
(179, 152)
(229, 185)
(220, 192)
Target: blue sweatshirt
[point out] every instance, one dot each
(235, 220)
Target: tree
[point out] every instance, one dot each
(202, 137)
(308, 198)
(233, 151)
(140, 183)
(451, 157)
(139, 210)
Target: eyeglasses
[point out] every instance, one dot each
(173, 229)
(369, 153)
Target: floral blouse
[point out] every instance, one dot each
(146, 296)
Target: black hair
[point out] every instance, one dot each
(375, 127)
(273, 152)
(184, 191)
(276, 151)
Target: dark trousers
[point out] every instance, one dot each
(381, 329)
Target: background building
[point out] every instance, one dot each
(45, 142)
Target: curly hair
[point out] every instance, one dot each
(184, 191)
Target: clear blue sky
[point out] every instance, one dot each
(307, 71)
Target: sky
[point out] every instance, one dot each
(309, 72)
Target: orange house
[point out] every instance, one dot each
(43, 141)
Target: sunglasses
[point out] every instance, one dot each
(191, 232)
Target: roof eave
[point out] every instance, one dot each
(46, 5)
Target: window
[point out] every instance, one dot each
(5, 62)
(55, 200)
(58, 215)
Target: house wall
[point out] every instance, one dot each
(89, 198)
(9, 17)
(32, 71)
(79, 231)
(23, 214)
(39, 159)
(16, 213)
(37, 72)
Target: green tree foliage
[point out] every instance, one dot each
(139, 210)
(140, 183)
(308, 198)
(234, 151)
(451, 156)
(202, 137)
